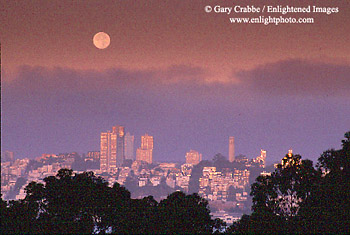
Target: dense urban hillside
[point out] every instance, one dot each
(295, 198)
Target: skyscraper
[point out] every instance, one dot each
(147, 142)
(231, 149)
(145, 153)
(193, 157)
(129, 146)
(112, 149)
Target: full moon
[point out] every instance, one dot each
(101, 40)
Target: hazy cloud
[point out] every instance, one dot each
(289, 77)
(299, 77)
(70, 80)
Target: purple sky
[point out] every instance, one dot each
(189, 78)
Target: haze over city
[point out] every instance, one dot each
(187, 77)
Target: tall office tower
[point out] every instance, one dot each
(105, 150)
(112, 149)
(129, 146)
(231, 149)
(147, 142)
(193, 157)
(145, 153)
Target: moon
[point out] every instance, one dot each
(101, 40)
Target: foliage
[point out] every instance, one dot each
(328, 209)
(286, 189)
(184, 214)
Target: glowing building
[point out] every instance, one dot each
(112, 149)
(261, 159)
(145, 153)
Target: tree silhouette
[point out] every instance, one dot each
(283, 193)
(185, 214)
(80, 203)
(18, 217)
(328, 210)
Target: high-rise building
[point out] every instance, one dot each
(231, 149)
(112, 149)
(145, 153)
(146, 142)
(193, 157)
(129, 146)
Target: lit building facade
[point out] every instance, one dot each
(290, 160)
(214, 185)
(112, 149)
(261, 160)
(146, 142)
(193, 157)
(145, 153)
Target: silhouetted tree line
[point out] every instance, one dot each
(85, 204)
(298, 198)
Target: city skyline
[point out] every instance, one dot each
(188, 77)
(124, 154)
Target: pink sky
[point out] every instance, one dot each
(159, 34)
